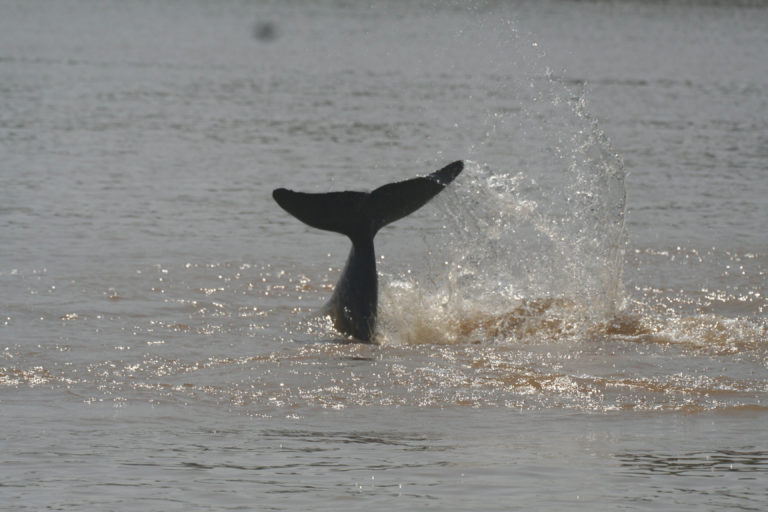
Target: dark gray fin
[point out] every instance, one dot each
(357, 214)
(342, 212)
(397, 200)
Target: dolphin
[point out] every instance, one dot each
(360, 215)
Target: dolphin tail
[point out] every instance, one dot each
(362, 214)
(396, 200)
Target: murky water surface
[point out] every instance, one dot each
(579, 321)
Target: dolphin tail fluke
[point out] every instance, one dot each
(396, 200)
(333, 211)
(358, 214)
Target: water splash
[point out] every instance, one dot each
(533, 239)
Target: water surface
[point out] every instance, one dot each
(578, 321)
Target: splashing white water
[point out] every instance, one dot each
(533, 243)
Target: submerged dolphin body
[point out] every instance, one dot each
(360, 215)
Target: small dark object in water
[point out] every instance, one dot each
(265, 31)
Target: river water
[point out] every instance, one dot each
(579, 321)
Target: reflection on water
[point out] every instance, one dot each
(695, 463)
(723, 479)
(411, 442)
